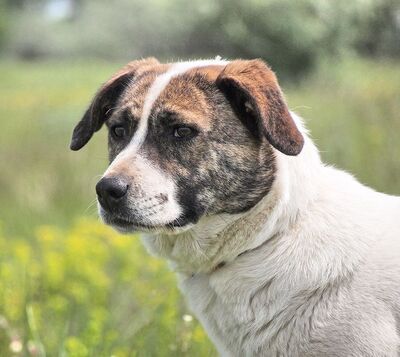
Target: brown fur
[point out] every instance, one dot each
(188, 100)
(253, 85)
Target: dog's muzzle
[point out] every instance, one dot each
(130, 210)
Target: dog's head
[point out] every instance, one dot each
(187, 140)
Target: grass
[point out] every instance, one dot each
(70, 286)
(41, 180)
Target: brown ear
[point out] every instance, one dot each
(253, 91)
(103, 102)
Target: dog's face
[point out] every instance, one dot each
(187, 140)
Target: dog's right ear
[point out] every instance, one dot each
(104, 101)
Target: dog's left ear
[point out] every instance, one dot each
(104, 101)
(253, 91)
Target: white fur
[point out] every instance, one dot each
(312, 270)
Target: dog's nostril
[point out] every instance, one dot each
(111, 188)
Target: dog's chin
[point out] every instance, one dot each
(128, 225)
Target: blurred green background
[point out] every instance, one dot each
(70, 286)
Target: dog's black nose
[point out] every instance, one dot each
(110, 190)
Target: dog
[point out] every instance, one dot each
(276, 253)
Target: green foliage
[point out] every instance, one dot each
(379, 30)
(90, 292)
(290, 35)
(3, 22)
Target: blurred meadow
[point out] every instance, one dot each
(69, 286)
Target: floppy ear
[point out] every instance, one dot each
(103, 102)
(253, 91)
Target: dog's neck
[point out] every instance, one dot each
(219, 239)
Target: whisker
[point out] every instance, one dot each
(90, 206)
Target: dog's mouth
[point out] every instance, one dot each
(131, 225)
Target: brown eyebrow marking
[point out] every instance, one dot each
(171, 118)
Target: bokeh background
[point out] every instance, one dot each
(70, 286)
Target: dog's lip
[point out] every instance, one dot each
(127, 225)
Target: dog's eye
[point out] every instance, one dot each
(184, 132)
(118, 131)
